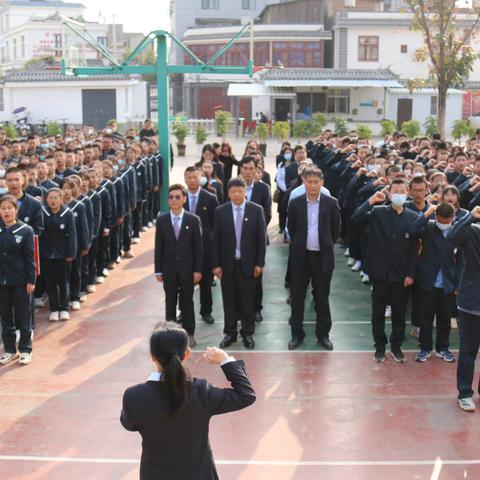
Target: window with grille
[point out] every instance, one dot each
(403, 49)
(434, 105)
(210, 4)
(248, 4)
(338, 101)
(368, 49)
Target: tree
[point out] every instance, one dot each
(446, 45)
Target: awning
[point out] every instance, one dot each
(258, 90)
(334, 83)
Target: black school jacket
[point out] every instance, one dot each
(176, 447)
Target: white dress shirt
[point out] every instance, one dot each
(190, 197)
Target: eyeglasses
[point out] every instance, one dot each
(175, 197)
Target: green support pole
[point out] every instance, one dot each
(163, 113)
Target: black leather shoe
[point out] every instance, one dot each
(258, 317)
(207, 318)
(248, 342)
(325, 342)
(294, 343)
(227, 341)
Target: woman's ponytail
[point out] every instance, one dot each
(175, 378)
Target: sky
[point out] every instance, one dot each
(138, 16)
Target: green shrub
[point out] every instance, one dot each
(10, 131)
(431, 126)
(411, 128)
(388, 127)
(261, 132)
(222, 119)
(54, 128)
(462, 128)
(281, 130)
(200, 135)
(341, 127)
(364, 131)
(300, 129)
(180, 130)
(317, 124)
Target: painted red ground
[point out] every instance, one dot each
(312, 407)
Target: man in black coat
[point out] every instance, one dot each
(239, 244)
(203, 204)
(391, 263)
(179, 257)
(257, 192)
(313, 224)
(466, 235)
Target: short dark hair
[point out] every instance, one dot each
(299, 147)
(13, 170)
(398, 181)
(312, 172)
(192, 168)
(177, 186)
(417, 180)
(236, 182)
(247, 159)
(10, 199)
(445, 210)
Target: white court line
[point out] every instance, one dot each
(296, 352)
(342, 322)
(259, 463)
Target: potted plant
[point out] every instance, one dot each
(200, 135)
(364, 131)
(281, 131)
(261, 132)
(411, 128)
(300, 130)
(388, 126)
(341, 127)
(180, 131)
(317, 124)
(222, 119)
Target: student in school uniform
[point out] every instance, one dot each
(129, 178)
(171, 403)
(179, 257)
(17, 282)
(81, 227)
(58, 249)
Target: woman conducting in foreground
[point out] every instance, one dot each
(172, 411)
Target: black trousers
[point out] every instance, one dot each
(103, 254)
(15, 305)
(416, 294)
(126, 236)
(311, 270)
(394, 294)
(430, 304)
(469, 329)
(57, 276)
(114, 245)
(354, 231)
(206, 292)
(92, 261)
(259, 294)
(76, 278)
(282, 211)
(145, 210)
(137, 219)
(238, 295)
(172, 285)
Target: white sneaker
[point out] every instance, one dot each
(119, 259)
(39, 302)
(135, 240)
(83, 297)
(453, 323)
(54, 317)
(75, 306)
(100, 279)
(25, 359)
(357, 266)
(347, 252)
(64, 316)
(388, 311)
(105, 272)
(466, 404)
(7, 358)
(351, 262)
(91, 288)
(365, 278)
(150, 224)
(143, 229)
(128, 254)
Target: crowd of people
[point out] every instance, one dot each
(403, 209)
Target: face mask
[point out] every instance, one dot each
(371, 168)
(443, 226)
(287, 156)
(418, 174)
(121, 163)
(42, 157)
(44, 145)
(3, 191)
(115, 168)
(398, 199)
(203, 181)
(137, 138)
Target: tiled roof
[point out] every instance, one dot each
(44, 3)
(324, 74)
(56, 76)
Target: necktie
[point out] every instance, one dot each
(193, 204)
(176, 228)
(238, 226)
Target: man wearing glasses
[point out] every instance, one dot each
(179, 257)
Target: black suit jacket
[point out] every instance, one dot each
(253, 241)
(291, 173)
(30, 212)
(176, 447)
(206, 205)
(261, 196)
(329, 225)
(180, 257)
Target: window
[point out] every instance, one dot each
(14, 47)
(22, 46)
(248, 4)
(434, 105)
(58, 44)
(403, 48)
(102, 41)
(368, 49)
(338, 101)
(7, 52)
(210, 4)
(2, 103)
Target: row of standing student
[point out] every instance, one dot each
(82, 229)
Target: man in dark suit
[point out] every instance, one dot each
(179, 257)
(466, 235)
(239, 244)
(203, 204)
(391, 263)
(61, 169)
(313, 225)
(257, 192)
